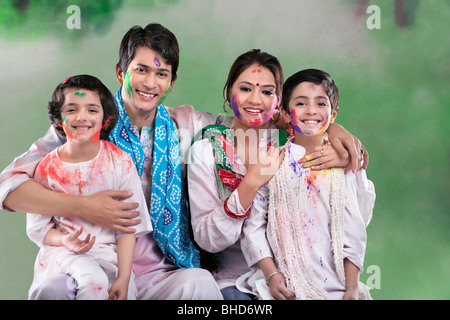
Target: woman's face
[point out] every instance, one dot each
(253, 96)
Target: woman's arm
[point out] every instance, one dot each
(343, 144)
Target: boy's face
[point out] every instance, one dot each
(146, 82)
(310, 109)
(82, 115)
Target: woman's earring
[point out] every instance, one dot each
(279, 114)
(224, 103)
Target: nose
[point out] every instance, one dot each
(81, 115)
(150, 80)
(255, 97)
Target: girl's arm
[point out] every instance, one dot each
(125, 254)
(352, 280)
(275, 279)
(70, 241)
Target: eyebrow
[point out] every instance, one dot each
(148, 67)
(315, 97)
(262, 85)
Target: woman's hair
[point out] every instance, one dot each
(316, 76)
(248, 58)
(87, 82)
(153, 36)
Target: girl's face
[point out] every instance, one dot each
(253, 96)
(82, 115)
(146, 82)
(310, 109)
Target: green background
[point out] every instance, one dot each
(393, 81)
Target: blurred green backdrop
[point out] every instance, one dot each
(394, 86)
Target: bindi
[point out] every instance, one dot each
(81, 94)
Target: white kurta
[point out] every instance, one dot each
(154, 273)
(112, 169)
(215, 231)
(314, 196)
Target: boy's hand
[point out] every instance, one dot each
(278, 288)
(351, 294)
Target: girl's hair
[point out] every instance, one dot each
(248, 58)
(153, 36)
(316, 76)
(87, 82)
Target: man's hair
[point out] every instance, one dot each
(155, 37)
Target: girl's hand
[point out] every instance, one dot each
(119, 289)
(278, 289)
(71, 242)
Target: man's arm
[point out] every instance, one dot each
(104, 208)
(19, 192)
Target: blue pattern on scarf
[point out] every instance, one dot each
(168, 210)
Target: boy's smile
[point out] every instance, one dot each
(310, 109)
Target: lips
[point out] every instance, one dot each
(253, 111)
(309, 121)
(146, 95)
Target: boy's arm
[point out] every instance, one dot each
(275, 280)
(125, 255)
(351, 280)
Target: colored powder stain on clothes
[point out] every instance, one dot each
(49, 167)
(127, 84)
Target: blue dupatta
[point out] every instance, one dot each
(168, 210)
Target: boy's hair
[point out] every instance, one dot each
(155, 37)
(248, 58)
(87, 82)
(315, 76)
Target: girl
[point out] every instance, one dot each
(228, 166)
(316, 219)
(84, 111)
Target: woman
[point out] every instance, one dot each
(227, 167)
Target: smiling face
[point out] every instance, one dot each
(253, 96)
(310, 109)
(82, 115)
(146, 82)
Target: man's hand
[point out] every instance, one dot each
(106, 208)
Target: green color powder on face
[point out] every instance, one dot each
(127, 84)
(81, 94)
(165, 94)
